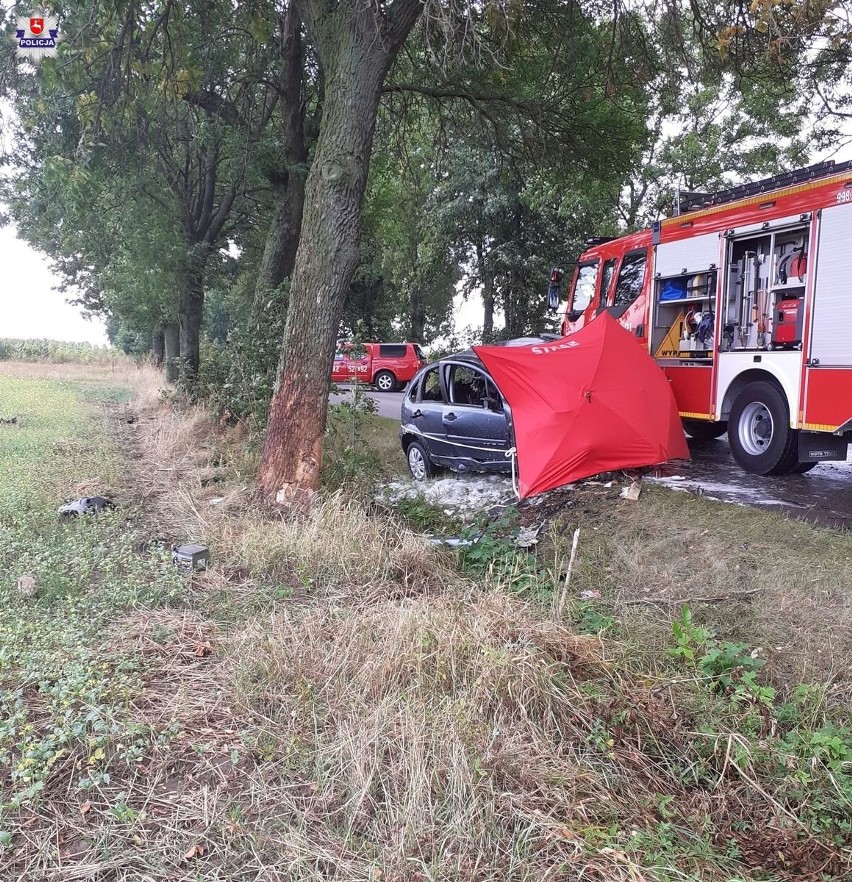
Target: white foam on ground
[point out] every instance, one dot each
(461, 495)
(726, 492)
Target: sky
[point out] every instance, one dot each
(29, 305)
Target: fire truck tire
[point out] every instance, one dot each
(419, 464)
(759, 432)
(385, 381)
(803, 467)
(699, 430)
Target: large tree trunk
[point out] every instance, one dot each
(158, 346)
(190, 313)
(288, 185)
(171, 340)
(282, 240)
(356, 43)
(486, 276)
(416, 315)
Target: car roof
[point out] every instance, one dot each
(471, 356)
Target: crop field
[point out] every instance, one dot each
(58, 352)
(337, 698)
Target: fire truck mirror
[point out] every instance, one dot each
(554, 292)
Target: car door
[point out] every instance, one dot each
(356, 366)
(475, 418)
(338, 370)
(425, 413)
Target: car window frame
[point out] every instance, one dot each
(489, 381)
(607, 284)
(421, 385)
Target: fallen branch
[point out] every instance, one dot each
(563, 595)
(688, 600)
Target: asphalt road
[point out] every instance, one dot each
(389, 404)
(823, 495)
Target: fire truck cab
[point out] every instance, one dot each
(745, 301)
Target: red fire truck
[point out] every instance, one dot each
(744, 298)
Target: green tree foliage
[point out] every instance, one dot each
(406, 279)
(135, 190)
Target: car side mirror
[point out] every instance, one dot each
(573, 315)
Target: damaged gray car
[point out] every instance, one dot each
(454, 417)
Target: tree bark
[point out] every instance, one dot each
(190, 314)
(158, 346)
(356, 43)
(288, 184)
(282, 240)
(171, 341)
(486, 276)
(416, 315)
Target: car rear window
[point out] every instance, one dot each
(393, 350)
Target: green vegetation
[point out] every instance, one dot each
(338, 697)
(56, 352)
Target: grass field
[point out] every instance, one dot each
(336, 698)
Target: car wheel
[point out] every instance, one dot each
(385, 381)
(701, 431)
(419, 464)
(759, 432)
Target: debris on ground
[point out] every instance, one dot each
(85, 505)
(452, 541)
(528, 536)
(27, 585)
(589, 595)
(632, 491)
(191, 557)
(8, 421)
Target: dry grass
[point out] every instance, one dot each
(337, 551)
(468, 737)
(340, 703)
(198, 479)
(754, 576)
(121, 371)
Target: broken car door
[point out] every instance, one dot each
(474, 419)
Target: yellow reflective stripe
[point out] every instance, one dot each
(818, 427)
(695, 416)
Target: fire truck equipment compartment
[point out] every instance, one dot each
(787, 327)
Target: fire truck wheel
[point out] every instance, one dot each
(803, 467)
(759, 432)
(385, 381)
(699, 430)
(419, 464)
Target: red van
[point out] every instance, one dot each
(387, 366)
